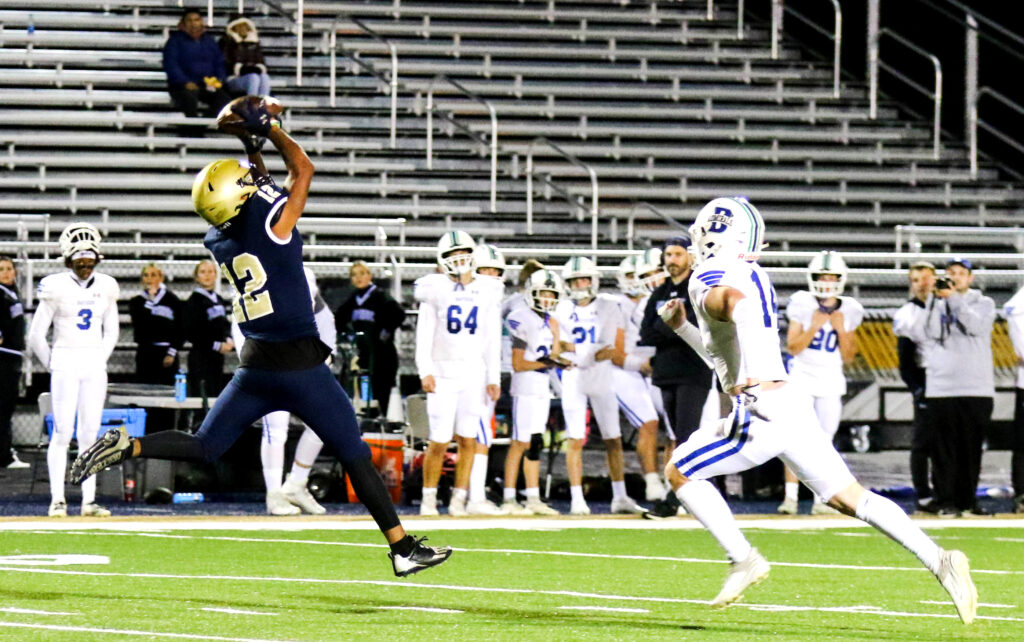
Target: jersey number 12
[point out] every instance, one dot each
(248, 275)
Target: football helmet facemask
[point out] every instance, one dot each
(79, 237)
(826, 262)
(458, 264)
(220, 190)
(544, 281)
(488, 256)
(728, 228)
(580, 267)
(626, 276)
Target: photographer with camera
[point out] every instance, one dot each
(956, 329)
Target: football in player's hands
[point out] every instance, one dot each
(249, 115)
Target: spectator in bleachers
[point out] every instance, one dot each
(1014, 312)
(156, 321)
(246, 66)
(959, 382)
(371, 314)
(195, 67)
(910, 349)
(12, 345)
(208, 329)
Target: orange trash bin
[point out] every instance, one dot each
(388, 456)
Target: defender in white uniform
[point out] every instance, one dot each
(81, 304)
(535, 349)
(821, 339)
(736, 310)
(458, 354)
(592, 328)
(632, 387)
(292, 497)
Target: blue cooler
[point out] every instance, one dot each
(133, 419)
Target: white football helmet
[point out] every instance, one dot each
(458, 264)
(826, 262)
(626, 277)
(580, 267)
(649, 270)
(728, 227)
(544, 281)
(79, 237)
(488, 256)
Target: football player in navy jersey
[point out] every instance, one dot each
(253, 238)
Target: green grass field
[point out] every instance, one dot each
(553, 583)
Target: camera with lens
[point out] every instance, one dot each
(943, 283)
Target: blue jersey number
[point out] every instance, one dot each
(543, 352)
(768, 317)
(456, 324)
(580, 335)
(827, 342)
(86, 316)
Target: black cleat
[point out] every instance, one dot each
(421, 557)
(109, 450)
(664, 508)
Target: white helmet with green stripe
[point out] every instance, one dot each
(580, 267)
(455, 253)
(488, 256)
(729, 228)
(831, 263)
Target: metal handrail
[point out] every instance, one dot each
(298, 20)
(836, 37)
(578, 163)
(668, 220)
(936, 95)
(494, 130)
(974, 122)
(392, 83)
(912, 232)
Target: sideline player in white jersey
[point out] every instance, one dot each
(458, 354)
(81, 304)
(292, 497)
(821, 339)
(736, 311)
(589, 322)
(632, 389)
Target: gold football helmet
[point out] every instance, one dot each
(220, 190)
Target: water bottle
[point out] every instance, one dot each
(364, 389)
(180, 389)
(129, 490)
(187, 498)
(30, 28)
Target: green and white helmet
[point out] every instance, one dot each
(729, 228)
(488, 256)
(826, 262)
(627, 277)
(581, 267)
(456, 264)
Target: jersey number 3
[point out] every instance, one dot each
(248, 275)
(86, 316)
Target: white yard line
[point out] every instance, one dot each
(518, 551)
(486, 589)
(13, 609)
(611, 609)
(423, 609)
(149, 634)
(229, 611)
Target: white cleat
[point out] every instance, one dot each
(955, 576)
(537, 507)
(58, 509)
(579, 508)
(457, 507)
(512, 507)
(278, 506)
(485, 507)
(742, 575)
(787, 507)
(94, 510)
(428, 509)
(626, 506)
(298, 495)
(655, 490)
(17, 464)
(820, 508)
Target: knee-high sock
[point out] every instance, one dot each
(89, 490)
(306, 452)
(272, 456)
(56, 465)
(704, 502)
(478, 479)
(889, 518)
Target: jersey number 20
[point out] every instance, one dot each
(248, 275)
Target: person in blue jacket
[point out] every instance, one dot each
(195, 67)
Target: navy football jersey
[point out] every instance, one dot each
(272, 300)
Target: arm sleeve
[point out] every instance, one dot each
(426, 323)
(1015, 325)
(37, 332)
(910, 372)
(111, 325)
(975, 318)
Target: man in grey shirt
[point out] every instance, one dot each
(959, 382)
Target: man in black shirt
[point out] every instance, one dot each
(679, 372)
